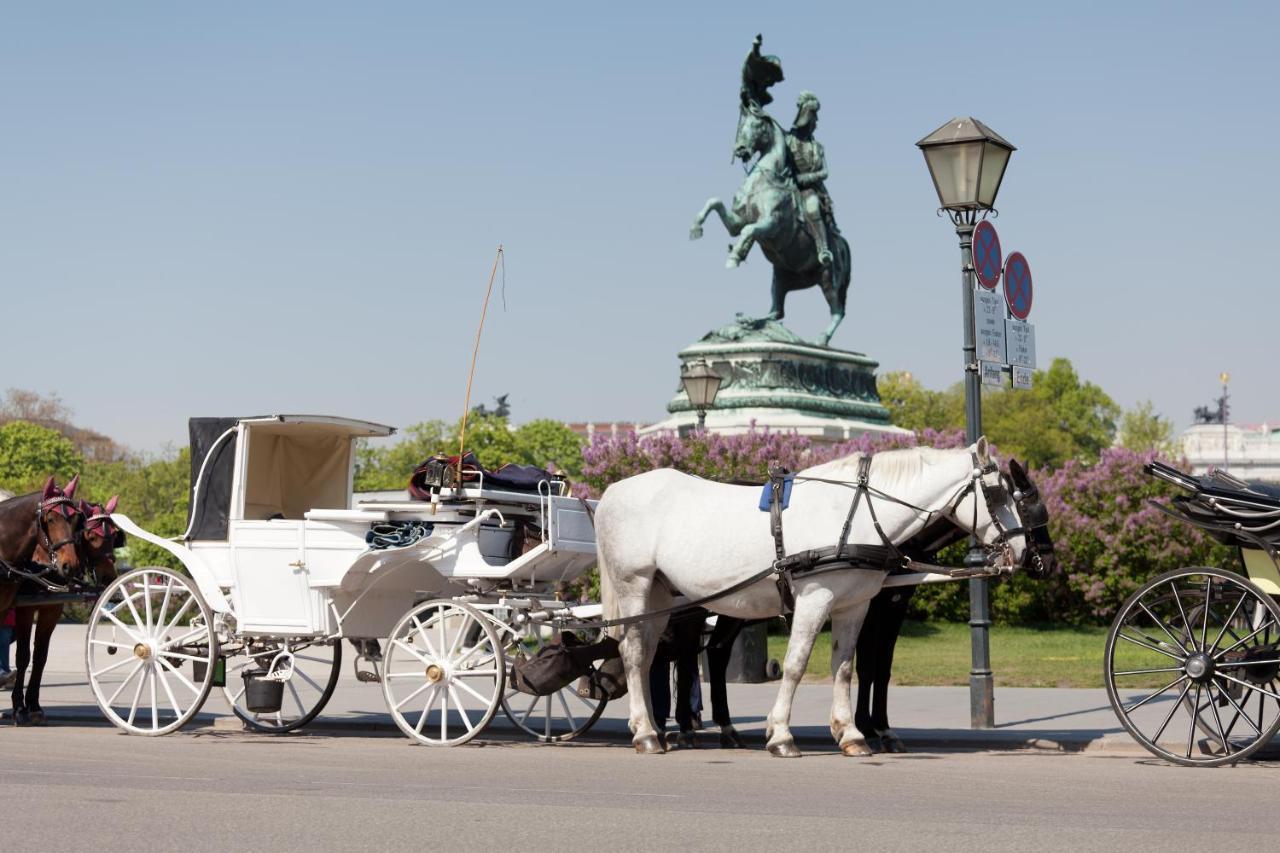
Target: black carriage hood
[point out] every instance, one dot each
(210, 508)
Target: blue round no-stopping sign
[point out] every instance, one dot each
(987, 260)
(1017, 285)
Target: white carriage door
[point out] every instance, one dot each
(272, 592)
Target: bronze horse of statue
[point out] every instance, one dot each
(766, 210)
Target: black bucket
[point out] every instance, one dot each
(219, 671)
(262, 696)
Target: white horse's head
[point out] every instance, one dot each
(1005, 512)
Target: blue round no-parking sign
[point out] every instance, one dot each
(1017, 285)
(987, 260)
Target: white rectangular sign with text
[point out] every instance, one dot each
(1021, 339)
(988, 323)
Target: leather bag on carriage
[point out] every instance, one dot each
(555, 667)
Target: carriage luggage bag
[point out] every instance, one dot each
(555, 667)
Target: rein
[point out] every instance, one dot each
(44, 570)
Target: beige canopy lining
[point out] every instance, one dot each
(289, 472)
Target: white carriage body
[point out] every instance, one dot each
(290, 558)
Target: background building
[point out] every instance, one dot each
(1250, 452)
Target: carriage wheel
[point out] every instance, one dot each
(557, 717)
(148, 632)
(314, 667)
(1196, 650)
(443, 673)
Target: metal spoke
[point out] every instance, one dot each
(1247, 638)
(411, 650)
(146, 597)
(468, 688)
(137, 620)
(444, 713)
(1227, 624)
(422, 632)
(473, 673)
(155, 714)
(182, 640)
(407, 674)
(1186, 688)
(101, 672)
(1160, 624)
(164, 603)
(137, 694)
(1128, 711)
(308, 679)
(164, 682)
(132, 673)
(1204, 627)
(1123, 636)
(1144, 671)
(133, 636)
(182, 611)
(406, 700)
(1217, 718)
(1251, 687)
(293, 691)
(1191, 732)
(1186, 623)
(426, 708)
(180, 676)
(457, 638)
(573, 721)
(546, 722)
(524, 719)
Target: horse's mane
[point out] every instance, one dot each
(888, 467)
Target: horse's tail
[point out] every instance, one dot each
(608, 596)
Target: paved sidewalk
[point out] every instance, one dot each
(1063, 720)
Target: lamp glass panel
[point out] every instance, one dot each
(955, 170)
(993, 165)
(701, 386)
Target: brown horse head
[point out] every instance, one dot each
(58, 526)
(101, 538)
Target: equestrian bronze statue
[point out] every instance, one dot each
(783, 203)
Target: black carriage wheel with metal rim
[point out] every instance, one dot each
(312, 667)
(149, 634)
(558, 717)
(1196, 650)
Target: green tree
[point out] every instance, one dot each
(29, 454)
(1143, 428)
(548, 443)
(914, 407)
(153, 491)
(1060, 418)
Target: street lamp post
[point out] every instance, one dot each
(966, 160)
(1226, 413)
(702, 384)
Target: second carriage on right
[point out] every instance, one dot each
(1192, 661)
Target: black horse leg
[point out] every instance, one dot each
(875, 667)
(719, 648)
(23, 618)
(688, 640)
(46, 620)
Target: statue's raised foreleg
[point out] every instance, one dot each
(732, 222)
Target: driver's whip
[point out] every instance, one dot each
(466, 405)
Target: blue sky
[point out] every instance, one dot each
(243, 207)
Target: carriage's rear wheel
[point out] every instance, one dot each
(1192, 666)
(558, 717)
(443, 673)
(149, 633)
(308, 669)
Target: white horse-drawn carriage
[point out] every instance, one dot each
(280, 569)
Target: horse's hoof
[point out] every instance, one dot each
(730, 739)
(855, 748)
(38, 718)
(648, 745)
(686, 740)
(892, 743)
(695, 232)
(21, 717)
(785, 749)
(732, 263)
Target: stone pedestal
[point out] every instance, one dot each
(777, 380)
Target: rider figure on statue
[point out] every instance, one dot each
(810, 162)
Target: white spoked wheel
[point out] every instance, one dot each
(443, 673)
(149, 634)
(309, 671)
(557, 717)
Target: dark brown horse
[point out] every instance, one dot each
(48, 519)
(98, 541)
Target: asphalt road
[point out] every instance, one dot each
(72, 788)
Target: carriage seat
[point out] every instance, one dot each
(1221, 482)
(262, 512)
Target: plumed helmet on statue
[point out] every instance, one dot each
(807, 106)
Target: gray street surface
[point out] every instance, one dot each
(89, 788)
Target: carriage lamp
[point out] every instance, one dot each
(966, 160)
(701, 383)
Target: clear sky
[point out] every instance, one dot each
(240, 208)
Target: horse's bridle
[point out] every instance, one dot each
(1032, 515)
(42, 529)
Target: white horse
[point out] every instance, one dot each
(664, 532)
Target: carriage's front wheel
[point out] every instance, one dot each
(1196, 651)
(443, 673)
(149, 634)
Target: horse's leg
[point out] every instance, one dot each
(811, 612)
(46, 620)
(895, 613)
(752, 232)
(22, 637)
(866, 660)
(732, 222)
(688, 635)
(845, 628)
(637, 646)
(836, 290)
(719, 648)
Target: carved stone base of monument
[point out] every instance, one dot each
(776, 380)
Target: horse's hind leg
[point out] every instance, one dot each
(845, 627)
(46, 620)
(719, 648)
(637, 646)
(811, 612)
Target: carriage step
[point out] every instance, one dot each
(369, 675)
